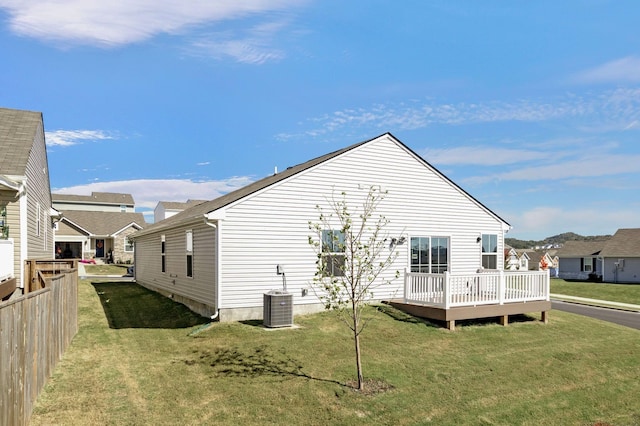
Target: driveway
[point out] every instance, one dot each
(626, 318)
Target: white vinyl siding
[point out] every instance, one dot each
(271, 227)
(201, 288)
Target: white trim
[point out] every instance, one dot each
(132, 224)
(24, 236)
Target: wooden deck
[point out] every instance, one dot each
(451, 315)
(451, 297)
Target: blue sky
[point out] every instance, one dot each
(533, 107)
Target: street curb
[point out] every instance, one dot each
(596, 302)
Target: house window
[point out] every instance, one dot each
(128, 245)
(430, 255)
(189, 253)
(162, 250)
(333, 257)
(587, 264)
(123, 208)
(490, 251)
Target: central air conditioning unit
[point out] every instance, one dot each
(278, 309)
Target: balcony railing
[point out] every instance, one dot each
(484, 288)
(6, 259)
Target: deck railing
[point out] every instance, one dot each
(484, 288)
(6, 259)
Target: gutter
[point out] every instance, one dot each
(215, 225)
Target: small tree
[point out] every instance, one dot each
(353, 251)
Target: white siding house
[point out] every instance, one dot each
(220, 257)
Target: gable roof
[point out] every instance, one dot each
(104, 223)
(176, 205)
(18, 131)
(580, 248)
(197, 212)
(624, 243)
(95, 198)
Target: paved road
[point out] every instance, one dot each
(626, 318)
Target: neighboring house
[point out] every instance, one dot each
(580, 260)
(98, 201)
(620, 257)
(523, 260)
(221, 256)
(97, 226)
(166, 209)
(26, 214)
(511, 259)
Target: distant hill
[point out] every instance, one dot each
(556, 239)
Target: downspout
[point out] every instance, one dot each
(215, 226)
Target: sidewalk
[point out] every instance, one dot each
(82, 273)
(596, 302)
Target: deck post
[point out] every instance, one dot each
(545, 317)
(445, 291)
(451, 325)
(502, 288)
(547, 285)
(407, 284)
(504, 320)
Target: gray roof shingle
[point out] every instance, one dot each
(18, 130)
(624, 243)
(95, 197)
(103, 223)
(580, 248)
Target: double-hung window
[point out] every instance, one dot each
(490, 251)
(587, 264)
(333, 253)
(430, 255)
(162, 251)
(189, 235)
(128, 245)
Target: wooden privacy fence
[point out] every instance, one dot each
(35, 330)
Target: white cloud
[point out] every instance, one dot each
(74, 137)
(483, 155)
(251, 46)
(555, 220)
(115, 23)
(148, 192)
(581, 167)
(624, 70)
(609, 110)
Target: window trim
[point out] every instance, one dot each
(333, 253)
(487, 255)
(127, 244)
(163, 247)
(189, 253)
(429, 256)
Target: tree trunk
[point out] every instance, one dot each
(356, 338)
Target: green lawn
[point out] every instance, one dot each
(625, 293)
(164, 367)
(105, 269)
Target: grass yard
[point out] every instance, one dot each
(624, 293)
(105, 269)
(146, 369)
